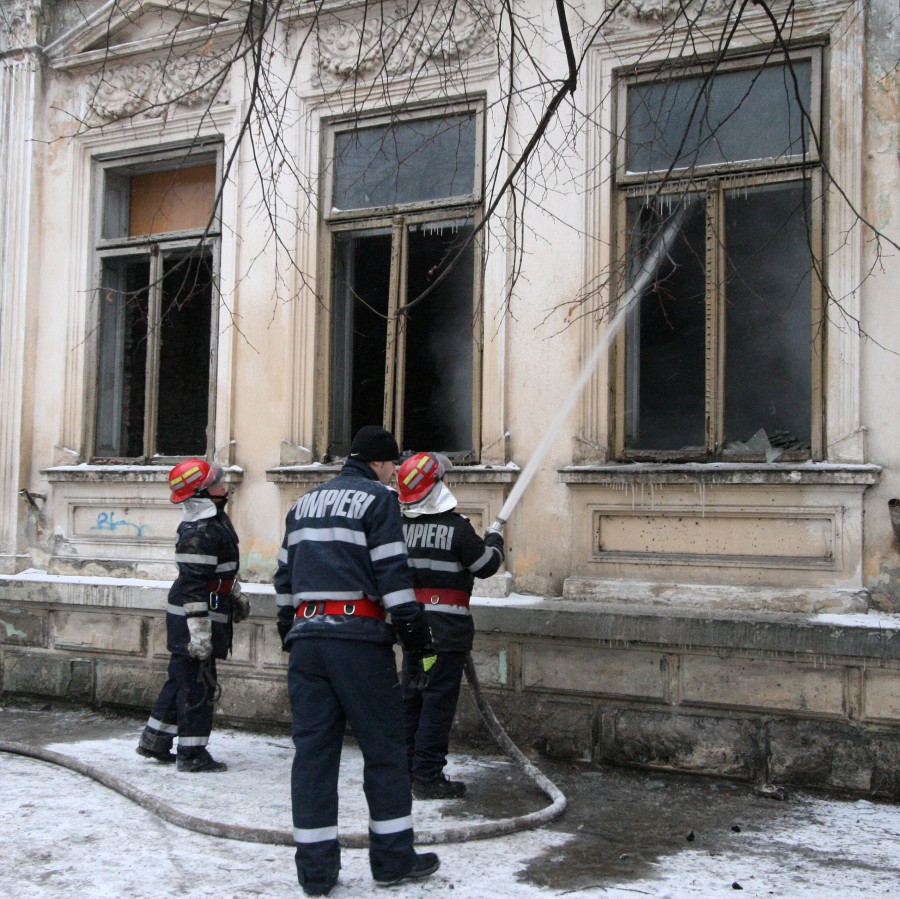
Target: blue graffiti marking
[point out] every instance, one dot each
(107, 521)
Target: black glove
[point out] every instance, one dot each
(494, 539)
(284, 628)
(240, 608)
(415, 636)
(418, 668)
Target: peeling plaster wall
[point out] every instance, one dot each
(268, 407)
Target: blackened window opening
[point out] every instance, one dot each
(184, 357)
(666, 333)
(362, 268)
(437, 407)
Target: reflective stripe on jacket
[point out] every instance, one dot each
(446, 554)
(343, 541)
(206, 552)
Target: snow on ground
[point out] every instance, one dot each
(66, 836)
(843, 850)
(63, 836)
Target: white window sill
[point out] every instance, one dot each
(317, 473)
(122, 474)
(725, 473)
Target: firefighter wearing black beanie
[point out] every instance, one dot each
(374, 444)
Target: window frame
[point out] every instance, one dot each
(156, 248)
(713, 180)
(397, 218)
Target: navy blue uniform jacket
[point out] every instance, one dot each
(343, 541)
(206, 554)
(445, 552)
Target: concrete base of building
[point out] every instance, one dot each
(791, 699)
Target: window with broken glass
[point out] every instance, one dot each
(719, 216)
(403, 204)
(157, 257)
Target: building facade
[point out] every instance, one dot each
(647, 276)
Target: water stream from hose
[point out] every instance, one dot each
(657, 252)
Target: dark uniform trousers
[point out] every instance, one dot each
(184, 707)
(428, 714)
(332, 681)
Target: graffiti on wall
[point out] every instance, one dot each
(107, 521)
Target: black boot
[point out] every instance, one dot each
(439, 788)
(155, 748)
(318, 888)
(425, 864)
(164, 756)
(200, 761)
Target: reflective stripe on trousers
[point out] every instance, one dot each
(331, 682)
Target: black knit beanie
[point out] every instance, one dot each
(374, 444)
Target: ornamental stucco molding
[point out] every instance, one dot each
(626, 14)
(21, 24)
(654, 11)
(396, 40)
(152, 88)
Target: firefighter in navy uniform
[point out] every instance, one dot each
(446, 555)
(342, 567)
(204, 603)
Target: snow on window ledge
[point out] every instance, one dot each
(772, 474)
(129, 474)
(318, 473)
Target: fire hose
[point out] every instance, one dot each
(455, 834)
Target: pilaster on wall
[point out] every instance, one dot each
(844, 272)
(19, 84)
(299, 448)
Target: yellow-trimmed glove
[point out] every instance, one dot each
(418, 670)
(415, 636)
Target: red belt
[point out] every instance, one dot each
(442, 597)
(367, 608)
(222, 588)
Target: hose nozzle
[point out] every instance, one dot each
(497, 525)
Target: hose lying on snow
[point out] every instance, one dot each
(457, 834)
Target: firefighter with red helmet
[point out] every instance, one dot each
(204, 603)
(446, 555)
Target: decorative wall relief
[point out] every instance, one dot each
(153, 88)
(393, 41)
(654, 12)
(21, 23)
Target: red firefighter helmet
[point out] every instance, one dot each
(418, 475)
(188, 478)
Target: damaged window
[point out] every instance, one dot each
(155, 307)
(404, 321)
(720, 213)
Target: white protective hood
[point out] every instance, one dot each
(196, 508)
(440, 499)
